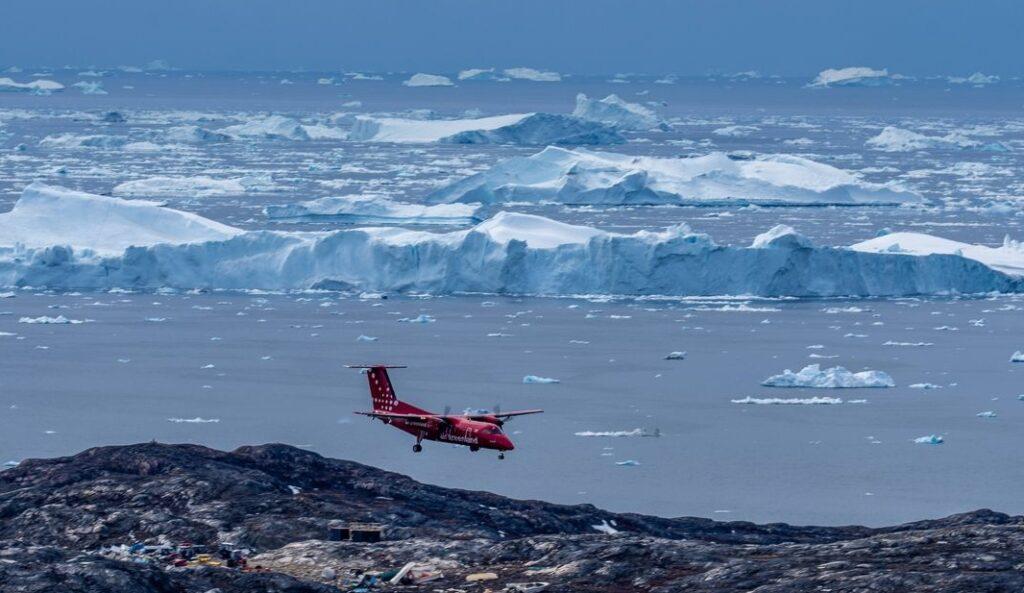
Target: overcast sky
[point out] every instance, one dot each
(787, 37)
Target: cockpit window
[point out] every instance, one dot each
(491, 430)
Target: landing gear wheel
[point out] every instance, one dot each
(417, 448)
(501, 456)
(474, 449)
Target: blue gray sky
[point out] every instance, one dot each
(786, 37)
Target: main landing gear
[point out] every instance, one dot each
(501, 455)
(418, 447)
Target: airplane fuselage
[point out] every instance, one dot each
(471, 433)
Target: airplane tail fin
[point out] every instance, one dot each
(381, 391)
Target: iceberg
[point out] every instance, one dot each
(391, 129)
(795, 401)
(602, 178)
(188, 186)
(539, 380)
(1018, 356)
(63, 239)
(932, 439)
(90, 87)
(41, 86)
(46, 216)
(1007, 258)
(853, 76)
(373, 209)
(73, 141)
(532, 74)
(58, 320)
(893, 139)
(275, 127)
(481, 74)
(542, 129)
(832, 378)
(428, 80)
(614, 111)
(194, 135)
(977, 79)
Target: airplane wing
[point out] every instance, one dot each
(423, 417)
(504, 415)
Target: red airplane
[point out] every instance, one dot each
(476, 431)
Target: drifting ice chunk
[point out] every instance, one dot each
(628, 463)
(528, 379)
(422, 318)
(614, 111)
(58, 320)
(676, 355)
(892, 139)
(832, 378)
(428, 80)
(542, 129)
(977, 79)
(852, 76)
(583, 177)
(932, 439)
(371, 209)
(777, 401)
(480, 74)
(986, 414)
(41, 86)
(636, 432)
(1018, 356)
(531, 74)
(196, 420)
(275, 127)
(924, 386)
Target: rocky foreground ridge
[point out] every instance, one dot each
(65, 524)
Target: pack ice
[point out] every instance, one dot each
(63, 239)
(586, 177)
(832, 378)
(373, 209)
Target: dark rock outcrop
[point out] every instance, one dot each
(56, 514)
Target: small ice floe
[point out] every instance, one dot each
(605, 527)
(579, 342)
(908, 344)
(207, 366)
(676, 355)
(365, 338)
(925, 386)
(986, 414)
(422, 318)
(58, 320)
(627, 463)
(838, 310)
(421, 79)
(946, 328)
(1018, 356)
(795, 401)
(155, 319)
(932, 439)
(636, 432)
(196, 420)
(499, 335)
(832, 378)
(534, 379)
(294, 489)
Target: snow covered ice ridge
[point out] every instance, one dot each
(832, 378)
(602, 178)
(62, 239)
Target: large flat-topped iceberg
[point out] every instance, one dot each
(62, 239)
(373, 209)
(585, 177)
(46, 216)
(41, 86)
